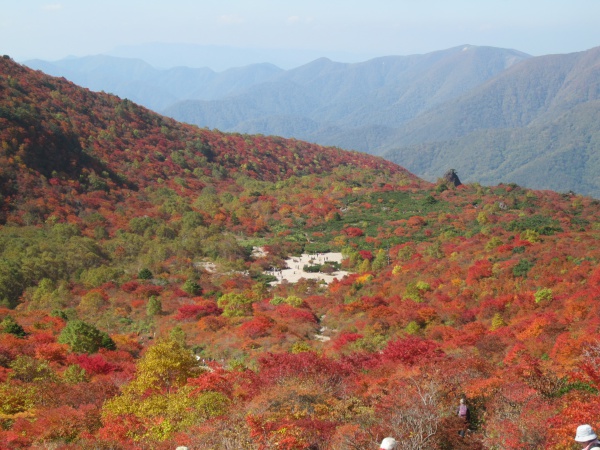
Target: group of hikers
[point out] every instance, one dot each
(584, 435)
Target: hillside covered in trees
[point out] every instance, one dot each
(495, 115)
(135, 314)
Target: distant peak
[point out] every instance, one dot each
(321, 60)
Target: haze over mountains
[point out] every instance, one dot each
(494, 115)
(154, 88)
(222, 57)
(535, 124)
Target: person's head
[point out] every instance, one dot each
(462, 401)
(585, 434)
(389, 443)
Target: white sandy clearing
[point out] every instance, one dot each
(258, 252)
(295, 264)
(321, 337)
(210, 267)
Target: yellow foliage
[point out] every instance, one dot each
(159, 397)
(365, 266)
(16, 399)
(482, 218)
(497, 322)
(91, 302)
(531, 236)
(165, 365)
(165, 414)
(364, 278)
(300, 347)
(294, 300)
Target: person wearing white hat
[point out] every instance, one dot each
(389, 443)
(585, 436)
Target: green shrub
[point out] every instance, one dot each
(9, 325)
(28, 369)
(522, 268)
(191, 287)
(543, 295)
(145, 274)
(235, 305)
(85, 338)
(154, 306)
(97, 276)
(412, 327)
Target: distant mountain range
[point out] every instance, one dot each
(324, 99)
(494, 115)
(536, 124)
(156, 89)
(222, 57)
(319, 101)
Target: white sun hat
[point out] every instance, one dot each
(389, 443)
(585, 433)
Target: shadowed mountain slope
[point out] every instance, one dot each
(58, 136)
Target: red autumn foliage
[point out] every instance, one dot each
(480, 269)
(61, 423)
(257, 327)
(306, 364)
(95, 364)
(51, 351)
(148, 290)
(198, 310)
(411, 350)
(353, 232)
(291, 314)
(130, 286)
(366, 254)
(215, 380)
(344, 339)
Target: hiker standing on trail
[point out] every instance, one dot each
(465, 415)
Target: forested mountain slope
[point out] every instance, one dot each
(64, 135)
(135, 313)
(535, 124)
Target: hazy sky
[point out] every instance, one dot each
(55, 29)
